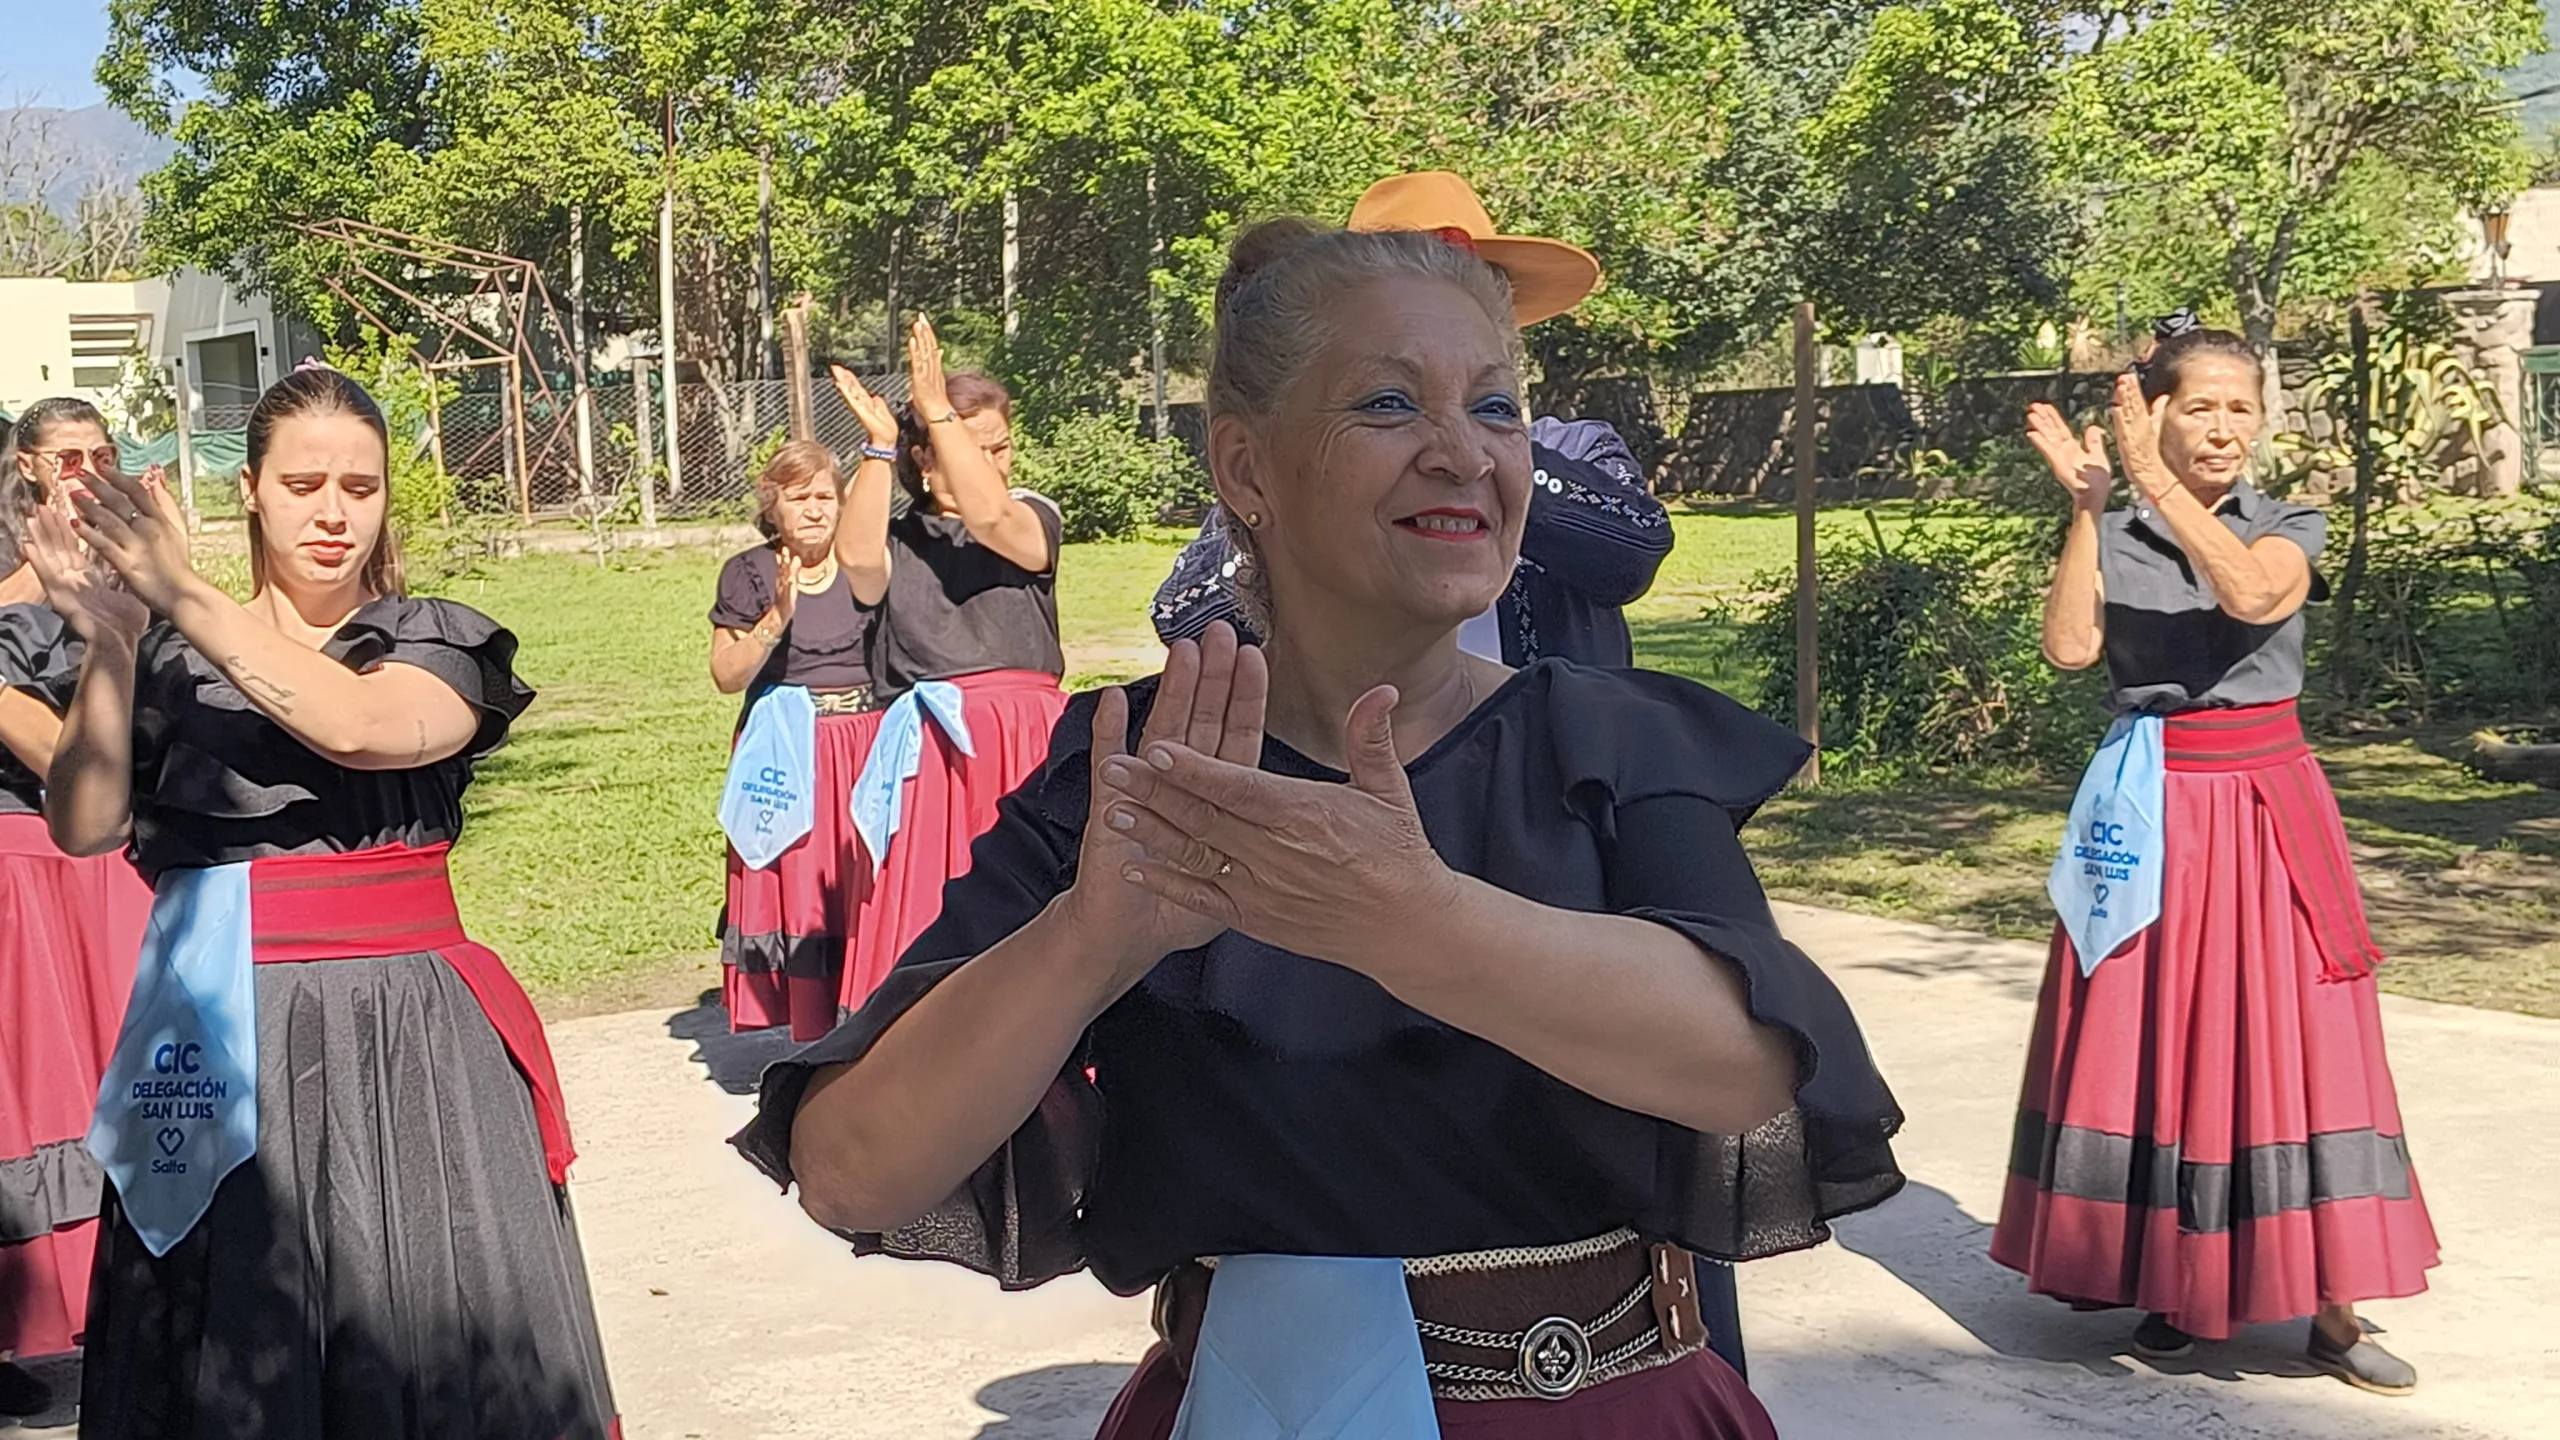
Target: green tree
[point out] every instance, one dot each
(2264, 147)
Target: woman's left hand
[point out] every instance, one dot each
(1335, 872)
(134, 524)
(2138, 439)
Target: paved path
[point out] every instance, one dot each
(727, 1316)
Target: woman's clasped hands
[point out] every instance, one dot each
(1197, 839)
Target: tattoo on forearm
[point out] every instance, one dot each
(257, 684)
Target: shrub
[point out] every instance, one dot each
(2457, 616)
(1931, 650)
(1109, 481)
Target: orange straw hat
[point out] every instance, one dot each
(1548, 277)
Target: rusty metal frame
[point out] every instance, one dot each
(525, 310)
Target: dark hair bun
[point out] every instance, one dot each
(1258, 247)
(2162, 373)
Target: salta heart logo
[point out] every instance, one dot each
(170, 1139)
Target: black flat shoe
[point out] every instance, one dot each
(2155, 1338)
(2365, 1365)
(22, 1393)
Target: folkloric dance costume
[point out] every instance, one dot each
(389, 1250)
(2208, 1128)
(69, 929)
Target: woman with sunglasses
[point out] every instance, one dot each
(69, 928)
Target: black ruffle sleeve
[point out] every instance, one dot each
(1015, 1217)
(1667, 786)
(39, 654)
(449, 640)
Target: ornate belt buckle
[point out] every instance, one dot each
(1555, 1358)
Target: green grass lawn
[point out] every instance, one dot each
(594, 864)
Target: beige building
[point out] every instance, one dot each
(62, 337)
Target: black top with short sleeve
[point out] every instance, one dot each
(827, 645)
(215, 781)
(2169, 646)
(957, 608)
(1243, 1099)
(41, 656)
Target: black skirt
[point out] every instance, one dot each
(394, 1264)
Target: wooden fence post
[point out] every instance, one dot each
(795, 362)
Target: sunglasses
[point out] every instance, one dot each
(99, 461)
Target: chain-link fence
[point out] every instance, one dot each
(721, 430)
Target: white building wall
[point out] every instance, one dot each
(46, 323)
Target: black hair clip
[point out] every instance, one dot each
(2176, 323)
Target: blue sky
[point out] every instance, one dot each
(50, 51)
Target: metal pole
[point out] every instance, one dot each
(515, 434)
(1012, 259)
(186, 443)
(1808, 678)
(1155, 304)
(645, 453)
(667, 309)
(764, 262)
(583, 397)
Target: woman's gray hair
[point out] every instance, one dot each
(1282, 277)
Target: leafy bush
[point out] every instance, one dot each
(1931, 650)
(2457, 616)
(1108, 480)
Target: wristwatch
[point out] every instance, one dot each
(945, 418)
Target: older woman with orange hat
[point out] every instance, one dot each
(1595, 533)
(1410, 1084)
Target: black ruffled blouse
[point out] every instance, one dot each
(1242, 1099)
(215, 781)
(39, 655)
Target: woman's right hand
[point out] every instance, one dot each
(879, 421)
(79, 587)
(786, 587)
(928, 389)
(1211, 698)
(2079, 462)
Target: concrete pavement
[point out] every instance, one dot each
(729, 1315)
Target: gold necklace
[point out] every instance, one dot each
(811, 581)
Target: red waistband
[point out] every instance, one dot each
(392, 900)
(2245, 737)
(993, 681)
(398, 900)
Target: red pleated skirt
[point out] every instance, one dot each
(70, 931)
(1697, 1398)
(789, 928)
(2208, 1127)
(950, 803)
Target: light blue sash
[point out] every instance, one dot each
(769, 799)
(1300, 1347)
(178, 1109)
(2106, 882)
(880, 796)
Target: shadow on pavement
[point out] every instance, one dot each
(61, 1374)
(1062, 1402)
(1929, 1243)
(734, 1062)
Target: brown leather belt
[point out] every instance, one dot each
(1541, 1323)
(857, 701)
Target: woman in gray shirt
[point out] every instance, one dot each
(2208, 1128)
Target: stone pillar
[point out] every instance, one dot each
(2492, 329)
